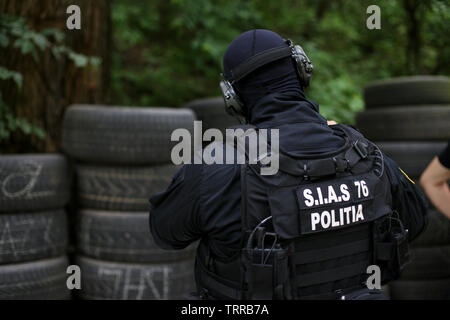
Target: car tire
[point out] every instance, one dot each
(121, 188)
(428, 263)
(412, 91)
(104, 280)
(406, 123)
(123, 236)
(32, 236)
(420, 289)
(211, 111)
(123, 136)
(437, 232)
(37, 280)
(33, 182)
(412, 157)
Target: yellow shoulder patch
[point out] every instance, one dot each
(407, 176)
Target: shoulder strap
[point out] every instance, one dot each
(357, 149)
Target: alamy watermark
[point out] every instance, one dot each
(74, 279)
(374, 280)
(73, 22)
(234, 149)
(374, 20)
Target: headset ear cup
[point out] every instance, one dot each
(301, 72)
(305, 68)
(233, 104)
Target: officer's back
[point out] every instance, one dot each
(204, 201)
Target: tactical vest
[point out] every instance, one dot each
(311, 230)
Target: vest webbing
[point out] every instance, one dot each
(319, 265)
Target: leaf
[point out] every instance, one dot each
(79, 59)
(57, 51)
(18, 27)
(40, 40)
(6, 74)
(25, 44)
(55, 33)
(4, 133)
(95, 61)
(24, 125)
(4, 40)
(18, 79)
(39, 132)
(11, 121)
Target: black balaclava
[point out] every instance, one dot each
(278, 77)
(273, 96)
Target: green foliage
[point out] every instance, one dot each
(10, 123)
(168, 52)
(6, 74)
(15, 32)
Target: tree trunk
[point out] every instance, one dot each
(51, 84)
(414, 45)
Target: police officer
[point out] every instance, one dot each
(336, 206)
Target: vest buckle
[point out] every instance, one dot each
(305, 170)
(341, 164)
(361, 149)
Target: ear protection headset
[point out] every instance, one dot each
(305, 70)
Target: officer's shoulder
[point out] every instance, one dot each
(189, 172)
(350, 130)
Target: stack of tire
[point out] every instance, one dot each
(34, 190)
(211, 111)
(122, 158)
(409, 119)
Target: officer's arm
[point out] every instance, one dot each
(434, 181)
(407, 199)
(174, 213)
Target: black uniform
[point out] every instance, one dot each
(204, 201)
